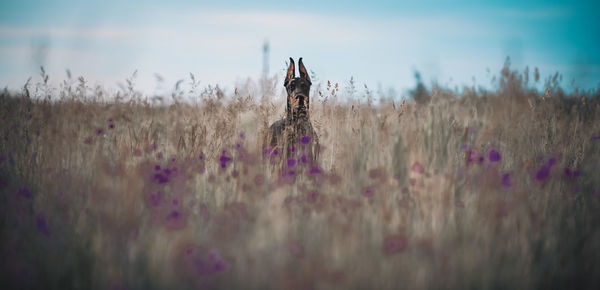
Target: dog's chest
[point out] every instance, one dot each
(297, 133)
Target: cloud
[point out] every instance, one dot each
(221, 46)
(64, 32)
(232, 29)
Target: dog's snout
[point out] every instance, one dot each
(301, 99)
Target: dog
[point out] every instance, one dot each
(294, 137)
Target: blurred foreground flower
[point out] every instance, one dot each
(494, 156)
(305, 140)
(544, 170)
(394, 244)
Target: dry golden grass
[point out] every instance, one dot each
(123, 194)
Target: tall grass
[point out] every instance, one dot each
(484, 190)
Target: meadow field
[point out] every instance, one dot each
(477, 189)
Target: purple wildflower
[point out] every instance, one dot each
(417, 167)
(112, 126)
(155, 199)
(506, 182)
(159, 156)
(303, 158)
(296, 249)
(412, 181)
(275, 152)
(368, 192)
(224, 159)
(470, 154)
(204, 211)
(394, 244)
(267, 150)
(494, 155)
(315, 170)
(375, 173)
(293, 149)
(220, 266)
(312, 196)
(305, 140)
(161, 178)
(571, 173)
(175, 220)
(42, 225)
(157, 167)
(88, 140)
(110, 120)
(99, 131)
(24, 192)
(544, 171)
(200, 157)
(259, 179)
(215, 264)
(291, 162)
(595, 138)
(173, 159)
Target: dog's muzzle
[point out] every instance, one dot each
(301, 101)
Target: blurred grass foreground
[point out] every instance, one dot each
(482, 189)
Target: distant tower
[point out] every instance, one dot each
(265, 73)
(266, 59)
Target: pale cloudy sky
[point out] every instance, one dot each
(379, 43)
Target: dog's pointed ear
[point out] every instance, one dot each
(290, 72)
(302, 69)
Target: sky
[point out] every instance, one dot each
(378, 43)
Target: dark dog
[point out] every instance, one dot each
(294, 136)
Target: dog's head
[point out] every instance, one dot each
(298, 89)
